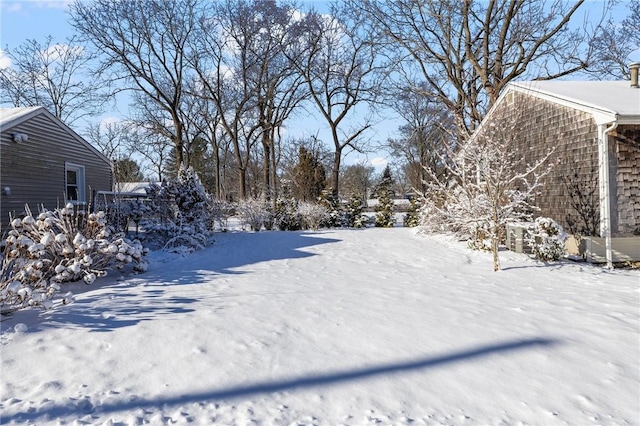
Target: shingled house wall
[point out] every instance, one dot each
(541, 126)
(627, 178)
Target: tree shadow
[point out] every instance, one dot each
(237, 249)
(287, 384)
(144, 297)
(550, 265)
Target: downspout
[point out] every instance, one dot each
(605, 195)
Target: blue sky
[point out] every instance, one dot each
(36, 19)
(32, 19)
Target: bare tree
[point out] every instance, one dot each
(155, 150)
(487, 184)
(616, 42)
(53, 75)
(203, 118)
(356, 181)
(110, 138)
(223, 66)
(279, 87)
(144, 43)
(463, 52)
(424, 138)
(341, 67)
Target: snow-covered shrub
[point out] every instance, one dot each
(312, 215)
(462, 212)
(336, 216)
(253, 213)
(269, 218)
(481, 238)
(430, 217)
(120, 213)
(221, 211)
(180, 217)
(384, 211)
(547, 239)
(411, 218)
(286, 215)
(56, 247)
(354, 213)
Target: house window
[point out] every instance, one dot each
(74, 181)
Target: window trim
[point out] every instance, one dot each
(80, 176)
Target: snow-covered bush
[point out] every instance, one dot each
(56, 247)
(312, 215)
(336, 216)
(121, 212)
(286, 215)
(384, 211)
(221, 211)
(430, 217)
(180, 218)
(411, 218)
(354, 213)
(547, 239)
(253, 213)
(481, 238)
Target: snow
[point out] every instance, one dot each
(357, 327)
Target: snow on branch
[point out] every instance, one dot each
(486, 184)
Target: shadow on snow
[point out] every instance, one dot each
(238, 249)
(287, 384)
(144, 297)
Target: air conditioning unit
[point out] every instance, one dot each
(516, 232)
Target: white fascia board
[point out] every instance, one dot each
(600, 115)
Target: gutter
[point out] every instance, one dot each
(605, 193)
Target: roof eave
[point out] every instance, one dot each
(28, 113)
(628, 119)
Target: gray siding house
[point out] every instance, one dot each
(594, 127)
(45, 163)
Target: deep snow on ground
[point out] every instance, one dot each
(358, 327)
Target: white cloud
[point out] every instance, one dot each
(57, 4)
(5, 61)
(105, 121)
(379, 162)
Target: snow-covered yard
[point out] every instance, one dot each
(374, 326)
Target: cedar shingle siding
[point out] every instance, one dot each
(544, 125)
(34, 170)
(627, 178)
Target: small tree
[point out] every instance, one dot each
(286, 212)
(384, 208)
(411, 219)
(385, 211)
(312, 215)
(488, 185)
(308, 176)
(335, 217)
(181, 218)
(354, 216)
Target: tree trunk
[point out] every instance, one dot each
(266, 177)
(495, 240)
(335, 176)
(242, 177)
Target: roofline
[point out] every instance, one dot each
(629, 119)
(42, 110)
(29, 113)
(600, 115)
